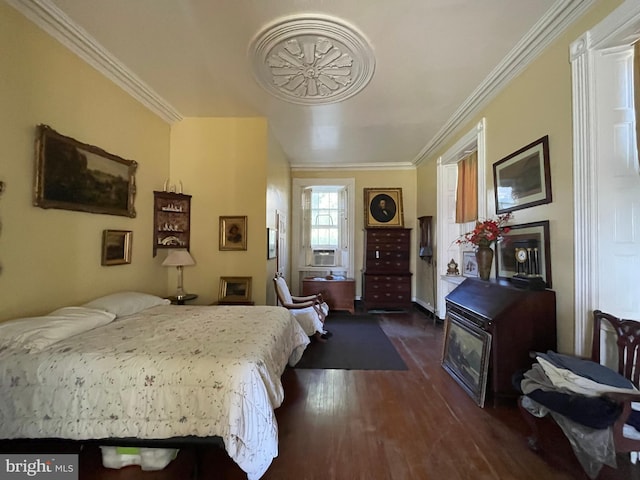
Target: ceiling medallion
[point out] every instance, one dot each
(311, 60)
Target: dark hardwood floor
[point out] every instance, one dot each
(377, 425)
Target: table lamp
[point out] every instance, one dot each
(179, 259)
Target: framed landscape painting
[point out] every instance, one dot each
(523, 179)
(72, 175)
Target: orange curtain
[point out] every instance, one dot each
(467, 190)
(636, 92)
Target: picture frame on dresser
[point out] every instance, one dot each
(71, 175)
(466, 356)
(234, 290)
(383, 208)
(469, 264)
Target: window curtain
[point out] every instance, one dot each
(636, 96)
(467, 189)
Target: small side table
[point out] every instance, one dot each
(249, 302)
(181, 301)
(338, 293)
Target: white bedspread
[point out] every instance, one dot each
(169, 371)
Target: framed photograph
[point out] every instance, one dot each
(523, 179)
(272, 235)
(116, 247)
(71, 175)
(466, 355)
(534, 235)
(235, 289)
(233, 233)
(469, 264)
(383, 207)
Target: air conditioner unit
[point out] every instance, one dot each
(324, 257)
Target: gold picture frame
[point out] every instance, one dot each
(116, 247)
(383, 207)
(466, 355)
(233, 233)
(72, 175)
(235, 290)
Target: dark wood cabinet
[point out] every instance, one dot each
(519, 321)
(171, 220)
(386, 274)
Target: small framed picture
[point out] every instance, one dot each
(235, 290)
(233, 233)
(271, 243)
(383, 207)
(469, 264)
(523, 179)
(466, 355)
(116, 247)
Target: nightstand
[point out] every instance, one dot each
(248, 302)
(181, 301)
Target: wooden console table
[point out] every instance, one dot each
(338, 293)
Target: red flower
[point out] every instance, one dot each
(487, 232)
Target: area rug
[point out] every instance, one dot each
(358, 343)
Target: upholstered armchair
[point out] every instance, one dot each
(310, 311)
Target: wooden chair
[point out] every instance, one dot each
(628, 359)
(310, 310)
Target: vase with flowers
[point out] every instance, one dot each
(485, 234)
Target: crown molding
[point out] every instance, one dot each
(543, 33)
(57, 24)
(353, 166)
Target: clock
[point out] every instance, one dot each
(521, 255)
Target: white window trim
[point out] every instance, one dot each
(299, 184)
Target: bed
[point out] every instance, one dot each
(163, 372)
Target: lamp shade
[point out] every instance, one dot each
(178, 258)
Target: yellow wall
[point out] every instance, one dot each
(51, 258)
(403, 178)
(538, 103)
(278, 200)
(222, 163)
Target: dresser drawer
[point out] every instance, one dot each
(387, 266)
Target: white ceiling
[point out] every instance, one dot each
(436, 61)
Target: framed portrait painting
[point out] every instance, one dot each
(116, 247)
(523, 179)
(383, 207)
(72, 175)
(233, 233)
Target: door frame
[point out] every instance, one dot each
(620, 28)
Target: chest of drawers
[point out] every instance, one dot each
(386, 273)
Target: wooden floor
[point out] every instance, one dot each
(381, 425)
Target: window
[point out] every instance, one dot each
(322, 224)
(326, 213)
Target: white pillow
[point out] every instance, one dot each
(126, 303)
(36, 333)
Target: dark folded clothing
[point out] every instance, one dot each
(593, 412)
(587, 369)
